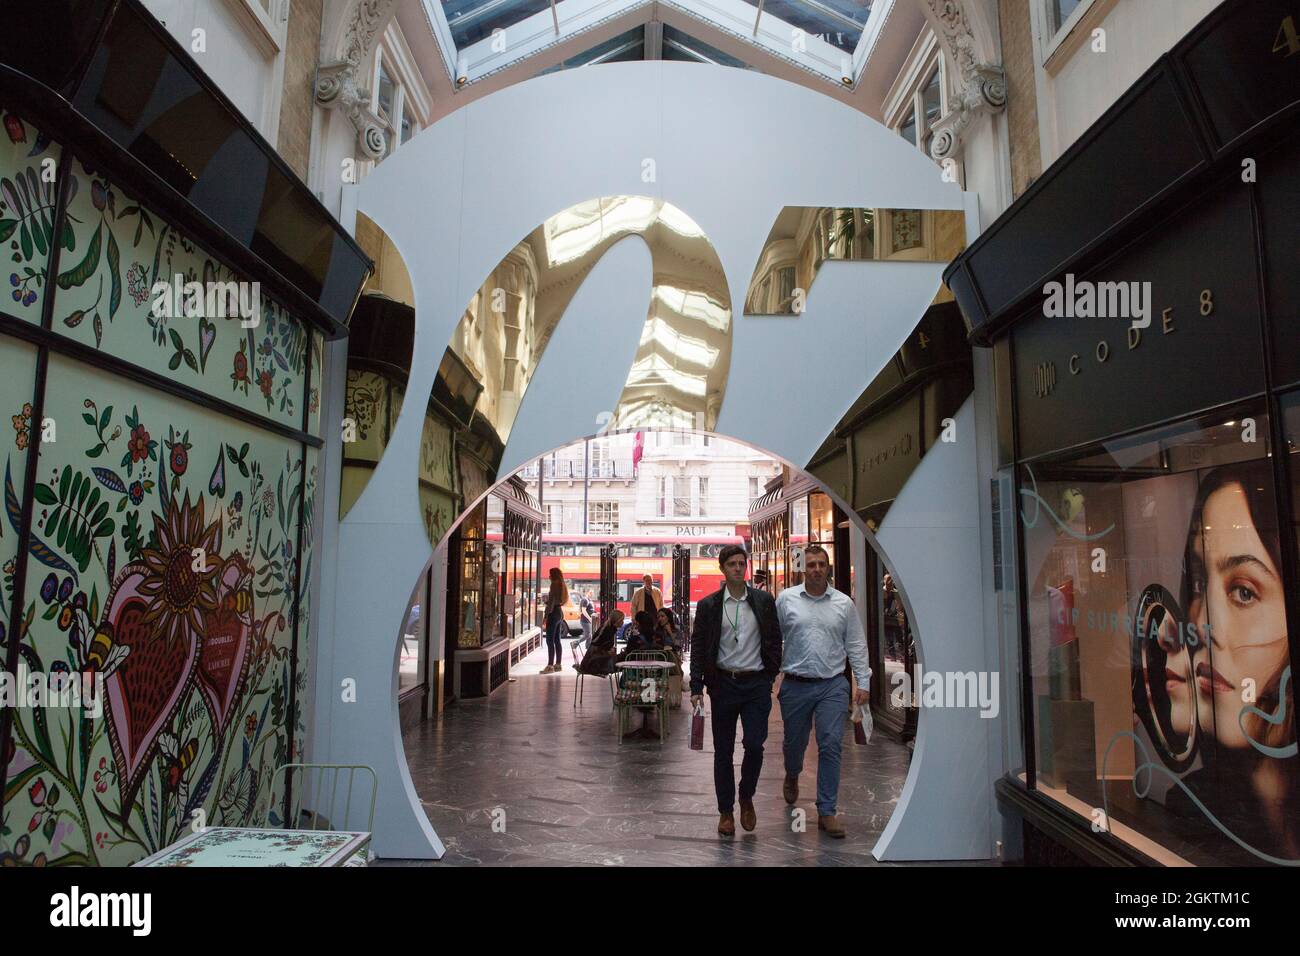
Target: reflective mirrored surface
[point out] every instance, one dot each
(803, 237)
(678, 374)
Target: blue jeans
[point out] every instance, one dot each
(826, 704)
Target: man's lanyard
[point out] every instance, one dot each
(735, 625)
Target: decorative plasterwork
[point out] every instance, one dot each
(342, 84)
(979, 86)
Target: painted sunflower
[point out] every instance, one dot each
(178, 594)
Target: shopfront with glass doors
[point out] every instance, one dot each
(493, 603)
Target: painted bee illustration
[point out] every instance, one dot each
(240, 598)
(178, 762)
(97, 650)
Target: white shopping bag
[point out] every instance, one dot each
(862, 724)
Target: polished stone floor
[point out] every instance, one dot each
(561, 789)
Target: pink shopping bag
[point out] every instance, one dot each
(697, 728)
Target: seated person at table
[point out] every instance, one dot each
(599, 659)
(666, 635)
(641, 636)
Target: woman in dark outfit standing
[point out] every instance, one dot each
(556, 628)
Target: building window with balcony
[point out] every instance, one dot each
(602, 517)
(702, 497)
(681, 496)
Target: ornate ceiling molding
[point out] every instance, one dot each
(344, 84)
(978, 84)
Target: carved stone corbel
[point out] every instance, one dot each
(978, 87)
(340, 85)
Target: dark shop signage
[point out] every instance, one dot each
(1079, 379)
(1224, 94)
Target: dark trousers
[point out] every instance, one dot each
(750, 701)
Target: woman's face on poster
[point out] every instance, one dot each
(1236, 592)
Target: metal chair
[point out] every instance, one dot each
(628, 696)
(577, 686)
(321, 807)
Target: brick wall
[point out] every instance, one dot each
(1022, 104)
(302, 51)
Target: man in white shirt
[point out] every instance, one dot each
(820, 629)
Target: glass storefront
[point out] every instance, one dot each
(498, 545)
(1158, 639)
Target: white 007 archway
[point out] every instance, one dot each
(732, 148)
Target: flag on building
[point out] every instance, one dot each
(638, 446)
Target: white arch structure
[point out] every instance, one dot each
(732, 148)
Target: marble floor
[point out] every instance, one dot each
(524, 778)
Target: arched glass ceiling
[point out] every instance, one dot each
(828, 38)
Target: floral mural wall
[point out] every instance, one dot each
(170, 543)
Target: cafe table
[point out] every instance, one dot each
(645, 669)
(249, 846)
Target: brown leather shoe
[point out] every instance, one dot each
(748, 818)
(831, 826)
(726, 825)
(791, 789)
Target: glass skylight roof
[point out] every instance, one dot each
(828, 38)
(682, 46)
(474, 20)
(838, 22)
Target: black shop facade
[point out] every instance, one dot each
(1142, 305)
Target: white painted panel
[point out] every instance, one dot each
(730, 148)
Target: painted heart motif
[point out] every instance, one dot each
(223, 658)
(207, 336)
(145, 691)
(217, 483)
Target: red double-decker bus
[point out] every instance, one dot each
(578, 557)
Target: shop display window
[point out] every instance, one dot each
(894, 632)
(1159, 660)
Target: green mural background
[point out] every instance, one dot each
(166, 537)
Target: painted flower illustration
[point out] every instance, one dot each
(178, 594)
(22, 425)
(137, 282)
(178, 453)
(264, 379)
(135, 492)
(139, 443)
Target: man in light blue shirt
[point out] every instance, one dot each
(822, 630)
